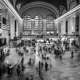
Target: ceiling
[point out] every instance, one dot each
(56, 3)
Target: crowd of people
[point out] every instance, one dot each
(7, 68)
(45, 49)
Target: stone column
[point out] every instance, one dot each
(20, 27)
(79, 27)
(79, 22)
(59, 28)
(44, 26)
(17, 26)
(69, 26)
(74, 23)
(12, 29)
(33, 26)
(64, 27)
(56, 25)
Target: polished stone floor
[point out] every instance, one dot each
(65, 69)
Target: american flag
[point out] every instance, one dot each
(6, 26)
(5, 19)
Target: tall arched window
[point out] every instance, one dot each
(27, 23)
(38, 23)
(50, 23)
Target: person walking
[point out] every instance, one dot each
(18, 70)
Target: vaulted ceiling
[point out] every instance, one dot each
(57, 3)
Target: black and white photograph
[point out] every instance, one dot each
(39, 40)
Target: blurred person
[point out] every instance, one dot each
(72, 54)
(46, 66)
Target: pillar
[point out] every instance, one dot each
(56, 25)
(12, 29)
(64, 27)
(79, 28)
(69, 26)
(20, 27)
(74, 23)
(44, 26)
(59, 28)
(17, 28)
(33, 26)
(79, 22)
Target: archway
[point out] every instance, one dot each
(39, 4)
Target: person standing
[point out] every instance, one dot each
(39, 65)
(72, 55)
(60, 56)
(42, 65)
(18, 70)
(46, 66)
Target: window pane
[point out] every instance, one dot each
(38, 22)
(24, 22)
(50, 23)
(27, 23)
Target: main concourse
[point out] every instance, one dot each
(39, 39)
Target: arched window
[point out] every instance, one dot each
(27, 23)
(50, 23)
(38, 22)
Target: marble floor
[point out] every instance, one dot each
(65, 69)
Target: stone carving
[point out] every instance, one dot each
(18, 6)
(71, 4)
(62, 9)
(14, 2)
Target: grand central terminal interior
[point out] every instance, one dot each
(39, 39)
